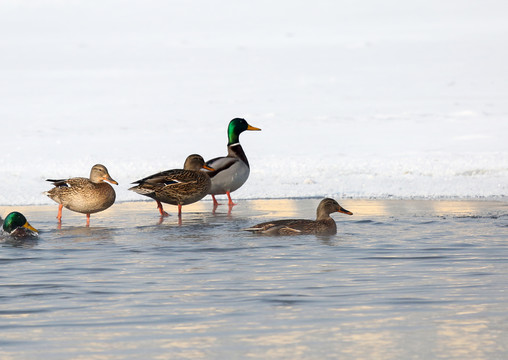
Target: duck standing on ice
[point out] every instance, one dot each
(86, 196)
(231, 171)
(178, 186)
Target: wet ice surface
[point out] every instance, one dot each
(400, 279)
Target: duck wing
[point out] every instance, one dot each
(79, 181)
(169, 177)
(274, 229)
(279, 227)
(59, 183)
(220, 164)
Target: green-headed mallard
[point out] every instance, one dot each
(231, 171)
(15, 224)
(323, 225)
(86, 196)
(178, 186)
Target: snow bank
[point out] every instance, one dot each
(361, 99)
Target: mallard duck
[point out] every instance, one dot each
(15, 224)
(86, 196)
(231, 171)
(177, 186)
(323, 225)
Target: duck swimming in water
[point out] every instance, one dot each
(323, 225)
(16, 225)
(232, 170)
(86, 196)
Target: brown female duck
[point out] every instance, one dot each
(323, 225)
(86, 196)
(177, 186)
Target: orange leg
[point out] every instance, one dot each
(179, 210)
(87, 219)
(161, 209)
(230, 202)
(59, 215)
(215, 202)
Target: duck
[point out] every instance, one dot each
(16, 224)
(323, 225)
(178, 186)
(232, 170)
(84, 195)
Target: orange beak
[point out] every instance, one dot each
(344, 211)
(253, 128)
(109, 179)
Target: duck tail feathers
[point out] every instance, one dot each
(141, 190)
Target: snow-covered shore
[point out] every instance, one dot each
(354, 99)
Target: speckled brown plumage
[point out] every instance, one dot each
(83, 196)
(323, 225)
(86, 196)
(178, 186)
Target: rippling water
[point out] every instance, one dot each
(401, 279)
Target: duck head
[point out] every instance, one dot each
(196, 162)
(236, 127)
(328, 206)
(99, 173)
(16, 220)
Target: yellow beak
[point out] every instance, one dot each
(30, 227)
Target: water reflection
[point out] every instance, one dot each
(21, 242)
(468, 335)
(284, 208)
(420, 207)
(398, 281)
(77, 234)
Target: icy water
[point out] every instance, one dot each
(400, 280)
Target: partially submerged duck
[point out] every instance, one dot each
(231, 171)
(16, 225)
(178, 186)
(86, 196)
(323, 225)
